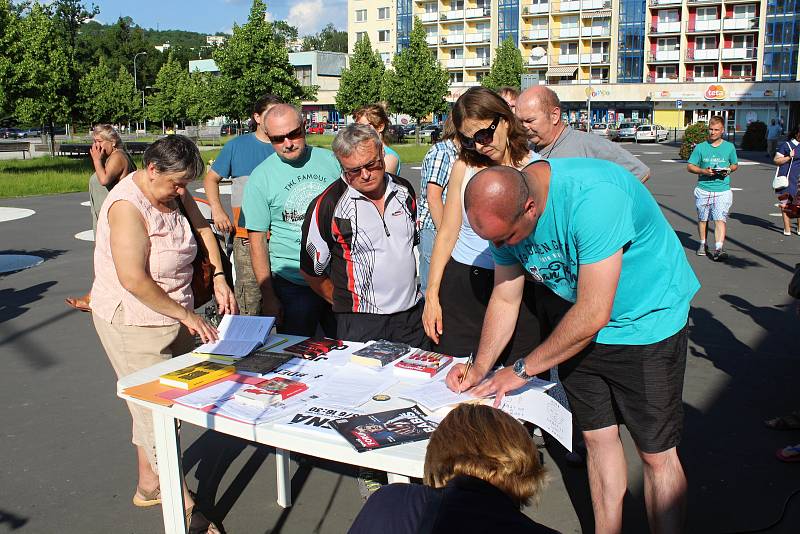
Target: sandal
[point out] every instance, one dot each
(785, 422)
(83, 303)
(790, 454)
(148, 498)
(198, 523)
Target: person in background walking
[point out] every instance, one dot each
(774, 132)
(785, 157)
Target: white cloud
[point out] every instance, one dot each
(306, 16)
(269, 17)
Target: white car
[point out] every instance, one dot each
(651, 132)
(600, 128)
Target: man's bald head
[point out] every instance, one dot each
(498, 192)
(539, 109)
(543, 98)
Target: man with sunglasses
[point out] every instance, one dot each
(275, 201)
(358, 245)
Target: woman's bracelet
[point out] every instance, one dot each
(218, 274)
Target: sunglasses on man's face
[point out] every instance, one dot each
(355, 172)
(294, 134)
(483, 136)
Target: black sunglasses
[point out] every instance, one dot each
(483, 136)
(294, 134)
(355, 172)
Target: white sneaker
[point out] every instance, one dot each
(701, 251)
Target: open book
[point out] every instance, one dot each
(239, 335)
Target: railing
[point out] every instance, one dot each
(534, 35)
(666, 27)
(565, 59)
(696, 54)
(660, 3)
(452, 38)
(664, 55)
(740, 24)
(566, 33)
(595, 58)
(730, 77)
(691, 78)
(587, 5)
(694, 26)
(569, 5)
(429, 17)
(534, 9)
(453, 14)
(455, 63)
(695, 2)
(480, 37)
(432, 39)
(536, 61)
(669, 78)
(478, 12)
(596, 31)
(473, 62)
(739, 53)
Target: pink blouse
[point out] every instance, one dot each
(169, 260)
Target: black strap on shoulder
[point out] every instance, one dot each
(429, 515)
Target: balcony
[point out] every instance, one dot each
(565, 59)
(452, 14)
(566, 33)
(595, 58)
(479, 37)
(664, 55)
(661, 3)
(569, 5)
(588, 5)
(535, 9)
(666, 27)
(700, 26)
(734, 78)
(456, 63)
(537, 61)
(691, 78)
(432, 39)
(536, 35)
(739, 53)
(451, 39)
(427, 18)
(478, 13)
(703, 2)
(740, 24)
(663, 78)
(477, 62)
(706, 54)
(595, 31)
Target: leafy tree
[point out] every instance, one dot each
(10, 56)
(127, 103)
(361, 82)
(119, 44)
(197, 96)
(694, 135)
(417, 84)
(254, 61)
(94, 95)
(328, 39)
(284, 32)
(507, 67)
(165, 104)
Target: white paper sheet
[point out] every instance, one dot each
(435, 394)
(206, 397)
(541, 409)
(350, 386)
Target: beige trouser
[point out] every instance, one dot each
(133, 348)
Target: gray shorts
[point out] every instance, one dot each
(713, 205)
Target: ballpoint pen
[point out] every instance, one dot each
(466, 371)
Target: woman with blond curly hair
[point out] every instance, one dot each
(481, 468)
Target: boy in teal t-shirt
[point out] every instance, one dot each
(713, 161)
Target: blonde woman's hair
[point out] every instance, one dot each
(376, 115)
(107, 132)
(485, 443)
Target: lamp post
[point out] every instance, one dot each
(136, 83)
(144, 115)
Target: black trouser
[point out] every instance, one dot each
(401, 327)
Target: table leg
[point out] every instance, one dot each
(170, 473)
(393, 477)
(282, 464)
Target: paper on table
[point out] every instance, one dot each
(228, 347)
(351, 387)
(434, 395)
(254, 414)
(245, 327)
(207, 396)
(541, 409)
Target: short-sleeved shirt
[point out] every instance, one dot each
(389, 151)
(276, 198)
(792, 168)
(595, 208)
(236, 160)
(436, 167)
(576, 144)
(707, 156)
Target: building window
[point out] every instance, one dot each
(431, 7)
(706, 13)
(667, 72)
(456, 5)
(746, 11)
(386, 57)
(705, 71)
(706, 43)
(508, 21)
(303, 75)
(361, 15)
(383, 36)
(456, 77)
(600, 73)
(630, 59)
(360, 36)
(743, 41)
(456, 53)
(742, 71)
(404, 20)
(480, 75)
(670, 43)
(383, 13)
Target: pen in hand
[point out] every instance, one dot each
(466, 372)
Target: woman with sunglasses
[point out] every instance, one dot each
(461, 275)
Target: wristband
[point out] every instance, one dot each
(218, 274)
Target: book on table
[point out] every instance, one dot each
(313, 347)
(421, 364)
(317, 419)
(239, 335)
(196, 375)
(379, 353)
(261, 361)
(384, 429)
(269, 392)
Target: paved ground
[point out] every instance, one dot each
(68, 465)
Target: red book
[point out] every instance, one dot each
(272, 391)
(421, 364)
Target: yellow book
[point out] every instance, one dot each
(196, 375)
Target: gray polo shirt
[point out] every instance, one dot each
(576, 144)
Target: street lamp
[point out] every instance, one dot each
(136, 81)
(144, 115)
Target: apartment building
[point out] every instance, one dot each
(667, 61)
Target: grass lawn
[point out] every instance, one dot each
(409, 152)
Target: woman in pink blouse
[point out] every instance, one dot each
(142, 301)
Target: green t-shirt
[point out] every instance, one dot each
(595, 208)
(276, 198)
(706, 156)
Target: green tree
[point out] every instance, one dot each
(417, 84)
(507, 67)
(10, 52)
(94, 95)
(197, 96)
(165, 104)
(284, 32)
(254, 61)
(328, 39)
(42, 73)
(361, 82)
(127, 102)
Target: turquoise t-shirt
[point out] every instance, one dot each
(389, 151)
(241, 155)
(706, 156)
(276, 198)
(595, 208)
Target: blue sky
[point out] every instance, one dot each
(211, 16)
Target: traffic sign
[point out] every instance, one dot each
(679, 104)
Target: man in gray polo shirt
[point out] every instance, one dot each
(539, 109)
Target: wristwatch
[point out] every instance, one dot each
(519, 370)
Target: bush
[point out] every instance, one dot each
(755, 138)
(694, 135)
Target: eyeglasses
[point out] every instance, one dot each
(294, 134)
(483, 136)
(374, 165)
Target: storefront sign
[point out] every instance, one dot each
(597, 93)
(715, 92)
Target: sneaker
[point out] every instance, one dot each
(702, 250)
(719, 255)
(787, 232)
(369, 482)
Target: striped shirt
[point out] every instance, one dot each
(436, 168)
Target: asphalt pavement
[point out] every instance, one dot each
(68, 465)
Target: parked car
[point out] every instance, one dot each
(14, 133)
(396, 134)
(626, 131)
(409, 129)
(651, 132)
(600, 128)
(227, 129)
(426, 131)
(315, 128)
(33, 132)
